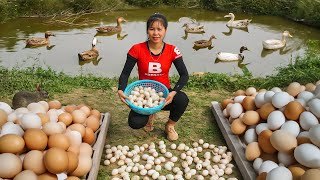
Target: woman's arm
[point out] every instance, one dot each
(123, 79)
(183, 72)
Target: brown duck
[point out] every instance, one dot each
(91, 54)
(204, 43)
(39, 41)
(112, 29)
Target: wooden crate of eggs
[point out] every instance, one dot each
(146, 97)
(280, 129)
(47, 141)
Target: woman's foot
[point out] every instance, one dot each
(172, 135)
(149, 127)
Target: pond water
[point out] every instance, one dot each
(72, 39)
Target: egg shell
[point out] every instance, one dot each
(73, 178)
(267, 166)
(84, 166)
(78, 116)
(74, 149)
(310, 87)
(269, 157)
(36, 108)
(280, 172)
(78, 127)
(73, 161)
(66, 118)
(239, 92)
(306, 96)
(311, 174)
(259, 99)
(294, 88)
(250, 118)
(265, 110)
(250, 136)
(238, 127)
(4, 106)
(11, 128)
(225, 102)
(96, 113)
(275, 120)
(11, 143)
(56, 160)
(265, 143)
(235, 110)
(261, 127)
(44, 118)
(70, 108)
(262, 176)
(52, 128)
(47, 176)
(54, 104)
(307, 120)
(293, 110)
(86, 149)
(286, 159)
(291, 127)
(250, 91)
(33, 160)
(53, 115)
(283, 141)
(314, 134)
(297, 171)
(26, 174)
(59, 141)
(89, 137)
(314, 107)
(257, 163)
(253, 151)
(280, 99)
(35, 139)
(3, 117)
(74, 137)
(11, 167)
(304, 137)
(239, 99)
(30, 120)
(276, 89)
(93, 122)
(248, 103)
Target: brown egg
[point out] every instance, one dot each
(3, 117)
(96, 113)
(86, 110)
(311, 174)
(294, 89)
(252, 151)
(262, 176)
(303, 140)
(89, 137)
(56, 160)
(74, 149)
(93, 122)
(78, 116)
(239, 92)
(265, 110)
(35, 139)
(248, 103)
(264, 142)
(66, 118)
(54, 104)
(78, 127)
(84, 166)
(283, 141)
(73, 161)
(271, 157)
(251, 118)
(86, 149)
(72, 178)
(225, 102)
(10, 165)
(238, 127)
(59, 141)
(70, 108)
(296, 172)
(26, 174)
(302, 88)
(293, 110)
(11, 143)
(33, 161)
(44, 118)
(81, 105)
(47, 176)
(310, 87)
(262, 90)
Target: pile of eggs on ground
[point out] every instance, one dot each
(163, 161)
(146, 97)
(46, 141)
(280, 129)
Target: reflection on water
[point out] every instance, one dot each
(119, 36)
(197, 47)
(229, 33)
(70, 40)
(93, 61)
(185, 37)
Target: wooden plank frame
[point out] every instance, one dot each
(234, 143)
(98, 147)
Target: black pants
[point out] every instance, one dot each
(176, 107)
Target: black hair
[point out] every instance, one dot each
(157, 17)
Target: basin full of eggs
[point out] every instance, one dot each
(161, 161)
(46, 140)
(280, 129)
(146, 97)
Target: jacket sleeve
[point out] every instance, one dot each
(183, 72)
(126, 71)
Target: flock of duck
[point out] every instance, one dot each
(93, 53)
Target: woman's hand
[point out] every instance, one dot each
(169, 98)
(122, 96)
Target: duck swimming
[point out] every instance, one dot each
(224, 56)
(35, 42)
(194, 29)
(276, 43)
(91, 54)
(112, 29)
(237, 23)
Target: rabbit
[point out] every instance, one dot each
(23, 98)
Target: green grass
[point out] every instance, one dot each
(197, 122)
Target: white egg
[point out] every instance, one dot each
(173, 146)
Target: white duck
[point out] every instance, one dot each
(238, 23)
(224, 56)
(276, 43)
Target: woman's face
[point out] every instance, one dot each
(156, 32)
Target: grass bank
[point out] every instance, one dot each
(305, 11)
(197, 122)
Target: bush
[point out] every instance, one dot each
(145, 3)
